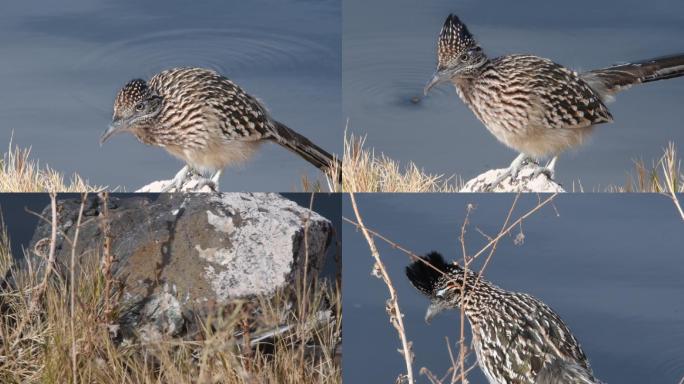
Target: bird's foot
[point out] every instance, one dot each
(215, 179)
(177, 182)
(512, 171)
(206, 182)
(549, 170)
(542, 171)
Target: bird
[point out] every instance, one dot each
(564, 372)
(207, 121)
(531, 104)
(517, 338)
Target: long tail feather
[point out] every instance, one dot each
(309, 151)
(611, 80)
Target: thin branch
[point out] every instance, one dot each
(511, 226)
(461, 343)
(506, 228)
(40, 289)
(72, 281)
(396, 317)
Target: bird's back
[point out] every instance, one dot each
(198, 100)
(207, 120)
(516, 336)
(519, 98)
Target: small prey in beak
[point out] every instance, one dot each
(437, 78)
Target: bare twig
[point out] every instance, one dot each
(461, 343)
(396, 317)
(507, 229)
(72, 284)
(40, 289)
(491, 246)
(108, 258)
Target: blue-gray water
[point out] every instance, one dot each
(609, 265)
(63, 62)
(389, 55)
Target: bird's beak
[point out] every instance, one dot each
(432, 311)
(117, 126)
(437, 78)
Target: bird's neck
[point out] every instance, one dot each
(479, 293)
(465, 81)
(146, 135)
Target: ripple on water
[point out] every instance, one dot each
(660, 351)
(383, 73)
(670, 358)
(225, 50)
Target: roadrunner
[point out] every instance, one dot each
(207, 121)
(531, 104)
(517, 338)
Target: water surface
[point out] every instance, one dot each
(63, 64)
(389, 55)
(610, 266)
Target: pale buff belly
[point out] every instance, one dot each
(525, 134)
(216, 157)
(540, 142)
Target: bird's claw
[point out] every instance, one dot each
(549, 173)
(204, 182)
(177, 183)
(513, 171)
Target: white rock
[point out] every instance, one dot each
(190, 185)
(523, 183)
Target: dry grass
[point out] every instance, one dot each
(20, 173)
(364, 171)
(662, 176)
(49, 349)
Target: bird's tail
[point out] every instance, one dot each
(309, 151)
(611, 80)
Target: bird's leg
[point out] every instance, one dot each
(549, 170)
(211, 181)
(215, 180)
(511, 171)
(178, 180)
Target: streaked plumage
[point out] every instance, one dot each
(516, 337)
(205, 119)
(531, 104)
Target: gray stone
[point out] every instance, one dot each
(190, 252)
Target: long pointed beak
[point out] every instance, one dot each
(432, 311)
(436, 79)
(117, 126)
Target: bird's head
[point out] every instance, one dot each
(458, 54)
(136, 107)
(440, 281)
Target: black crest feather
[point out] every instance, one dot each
(426, 278)
(454, 38)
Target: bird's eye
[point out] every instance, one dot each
(139, 107)
(465, 57)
